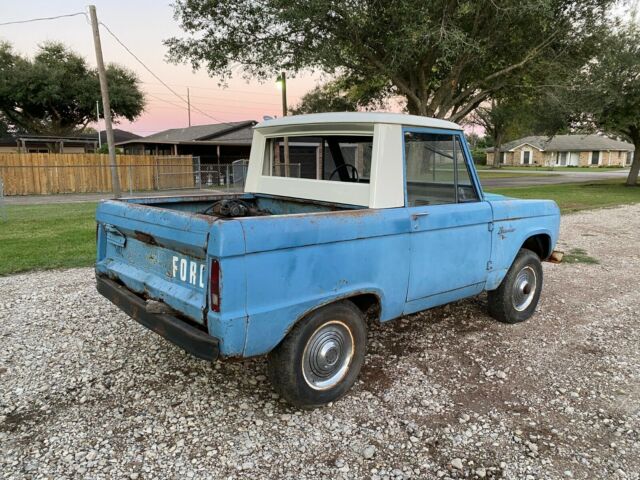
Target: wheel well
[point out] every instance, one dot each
(368, 304)
(539, 244)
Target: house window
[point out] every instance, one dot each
(503, 157)
(628, 158)
(526, 157)
(434, 163)
(595, 158)
(562, 159)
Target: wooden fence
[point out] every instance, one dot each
(51, 173)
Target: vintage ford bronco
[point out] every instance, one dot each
(345, 218)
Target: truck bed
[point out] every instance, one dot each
(158, 247)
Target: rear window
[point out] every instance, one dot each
(338, 158)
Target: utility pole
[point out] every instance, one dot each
(98, 122)
(106, 104)
(189, 105)
(283, 84)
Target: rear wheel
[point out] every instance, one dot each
(319, 360)
(517, 297)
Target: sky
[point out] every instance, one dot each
(142, 25)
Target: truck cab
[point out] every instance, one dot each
(345, 218)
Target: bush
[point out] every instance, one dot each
(479, 156)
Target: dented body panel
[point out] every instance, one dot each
(274, 269)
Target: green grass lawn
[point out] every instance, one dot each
(35, 237)
(38, 237)
(578, 196)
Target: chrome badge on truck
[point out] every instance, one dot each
(188, 271)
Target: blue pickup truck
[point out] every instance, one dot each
(345, 219)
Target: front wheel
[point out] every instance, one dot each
(319, 360)
(516, 298)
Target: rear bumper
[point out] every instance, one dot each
(178, 332)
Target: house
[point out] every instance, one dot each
(219, 143)
(563, 151)
(83, 143)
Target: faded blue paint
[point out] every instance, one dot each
(275, 269)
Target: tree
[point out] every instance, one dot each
(444, 57)
(610, 91)
(528, 110)
(56, 92)
(341, 95)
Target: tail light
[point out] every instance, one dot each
(214, 285)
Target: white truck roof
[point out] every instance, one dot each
(360, 117)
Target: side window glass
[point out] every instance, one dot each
(433, 163)
(466, 190)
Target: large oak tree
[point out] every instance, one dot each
(609, 90)
(55, 93)
(445, 57)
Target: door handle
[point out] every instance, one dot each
(415, 216)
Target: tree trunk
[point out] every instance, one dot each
(497, 154)
(632, 179)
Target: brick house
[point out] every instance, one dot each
(563, 151)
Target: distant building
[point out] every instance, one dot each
(220, 143)
(564, 151)
(25, 143)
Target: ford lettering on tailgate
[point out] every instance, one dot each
(188, 271)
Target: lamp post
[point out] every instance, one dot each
(281, 82)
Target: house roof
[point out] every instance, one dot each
(118, 136)
(360, 117)
(568, 143)
(207, 134)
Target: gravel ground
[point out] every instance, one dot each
(86, 392)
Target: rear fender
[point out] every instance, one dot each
(267, 329)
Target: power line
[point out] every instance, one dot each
(218, 100)
(16, 22)
(159, 79)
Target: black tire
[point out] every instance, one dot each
(296, 366)
(516, 299)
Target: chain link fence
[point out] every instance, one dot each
(170, 176)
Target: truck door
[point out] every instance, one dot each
(450, 237)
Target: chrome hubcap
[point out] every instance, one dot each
(524, 288)
(327, 355)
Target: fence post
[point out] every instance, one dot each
(3, 213)
(198, 172)
(157, 173)
(130, 181)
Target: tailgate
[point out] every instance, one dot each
(156, 252)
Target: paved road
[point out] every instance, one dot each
(512, 178)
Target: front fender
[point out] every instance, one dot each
(508, 237)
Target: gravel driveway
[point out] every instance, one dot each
(85, 392)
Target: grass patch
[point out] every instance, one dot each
(572, 197)
(579, 255)
(39, 237)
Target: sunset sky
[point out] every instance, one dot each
(142, 25)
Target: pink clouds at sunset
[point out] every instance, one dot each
(142, 26)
